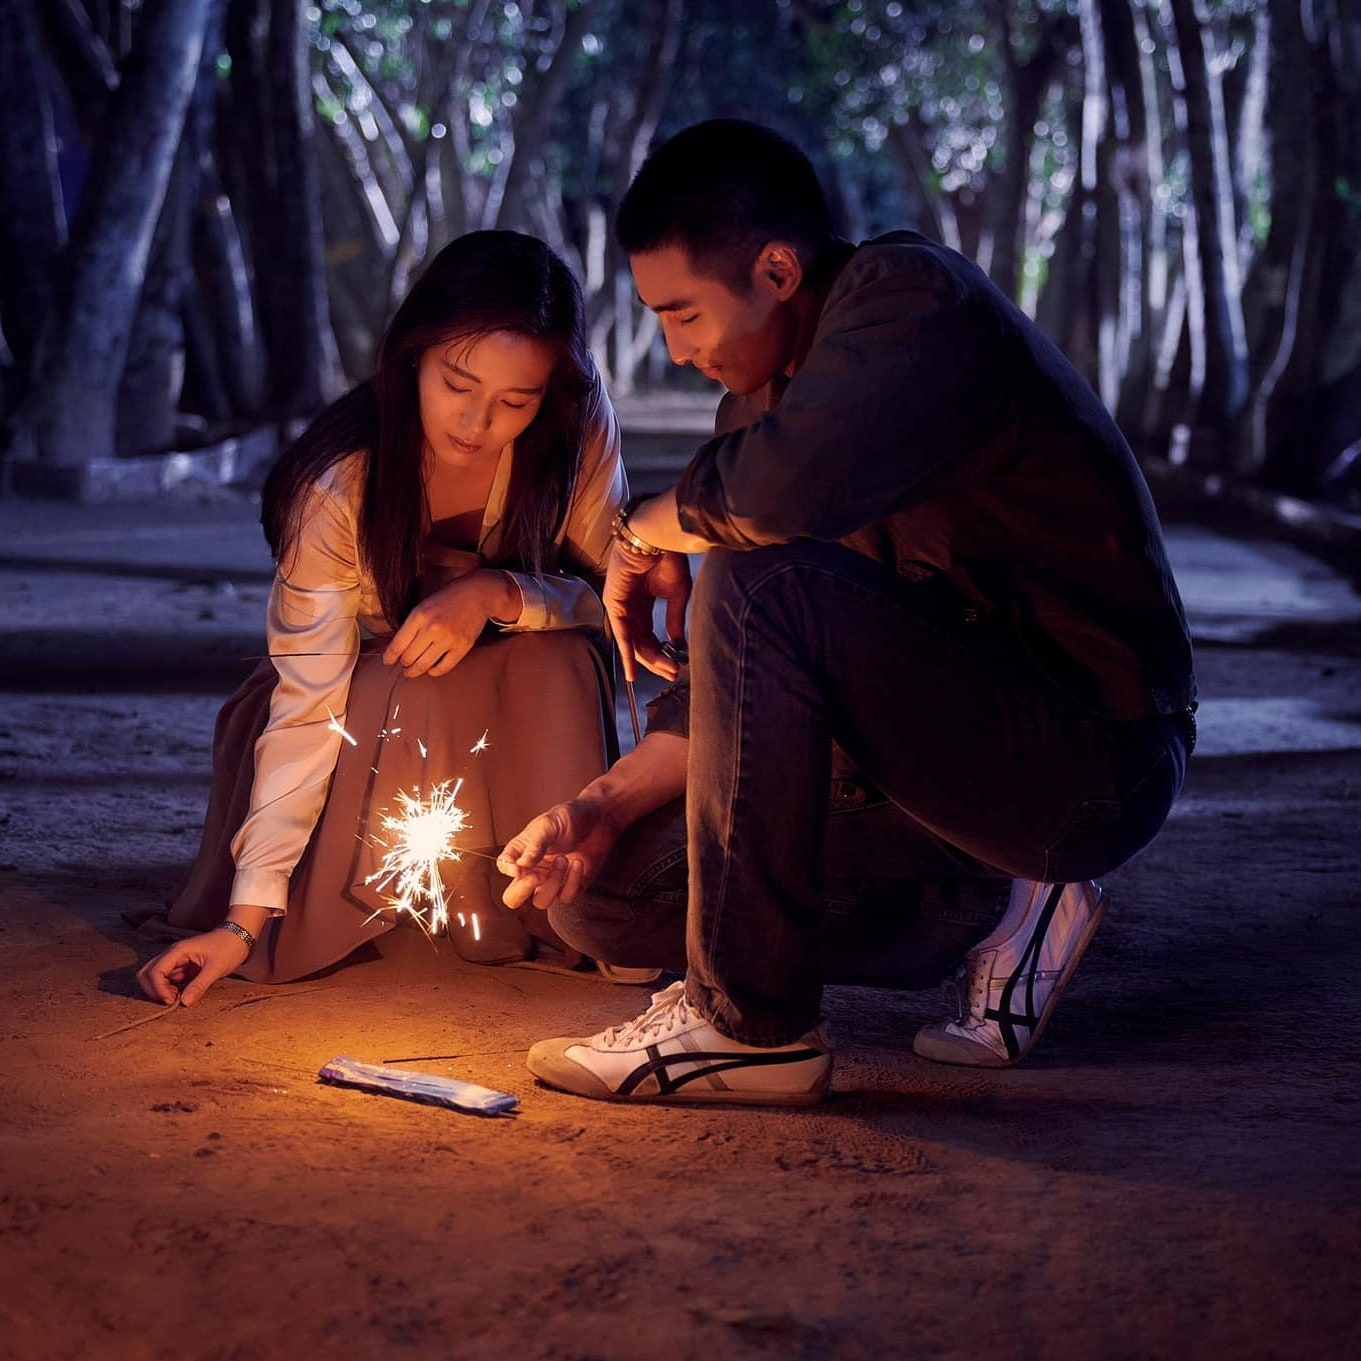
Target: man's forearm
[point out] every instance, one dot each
(651, 775)
(655, 521)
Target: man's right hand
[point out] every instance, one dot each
(557, 854)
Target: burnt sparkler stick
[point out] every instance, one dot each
(633, 712)
(675, 650)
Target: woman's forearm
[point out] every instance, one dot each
(504, 599)
(249, 917)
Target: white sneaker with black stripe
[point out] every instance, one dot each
(1009, 984)
(672, 1054)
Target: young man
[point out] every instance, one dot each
(933, 575)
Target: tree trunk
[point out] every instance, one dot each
(937, 216)
(1026, 84)
(81, 56)
(463, 187)
(224, 289)
(1058, 303)
(628, 141)
(1224, 391)
(1317, 414)
(1250, 168)
(153, 377)
(33, 223)
(266, 152)
(1081, 313)
(70, 413)
(242, 148)
(1340, 108)
(1273, 292)
(1130, 179)
(541, 96)
(304, 365)
(1101, 253)
(1166, 403)
(1156, 275)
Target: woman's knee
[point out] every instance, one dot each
(572, 648)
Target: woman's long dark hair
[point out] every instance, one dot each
(479, 283)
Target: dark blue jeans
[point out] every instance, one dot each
(976, 768)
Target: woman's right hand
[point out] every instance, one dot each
(186, 970)
(441, 630)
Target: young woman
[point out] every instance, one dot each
(438, 532)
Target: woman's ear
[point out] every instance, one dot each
(779, 269)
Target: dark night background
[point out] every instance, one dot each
(211, 206)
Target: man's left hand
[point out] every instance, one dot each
(557, 854)
(632, 582)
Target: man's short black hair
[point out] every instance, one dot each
(721, 190)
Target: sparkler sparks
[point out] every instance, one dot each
(335, 725)
(421, 835)
(416, 839)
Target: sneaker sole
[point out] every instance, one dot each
(935, 1043)
(558, 1072)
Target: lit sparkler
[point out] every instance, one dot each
(421, 835)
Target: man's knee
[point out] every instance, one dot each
(610, 930)
(582, 931)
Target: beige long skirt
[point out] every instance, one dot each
(542, 703)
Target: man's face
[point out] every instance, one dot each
(739, 340)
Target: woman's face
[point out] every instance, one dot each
(477, 396)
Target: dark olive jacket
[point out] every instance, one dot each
(933, 427)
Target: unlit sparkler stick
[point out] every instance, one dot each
(674, 649)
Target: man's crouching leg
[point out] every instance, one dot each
(633, 914)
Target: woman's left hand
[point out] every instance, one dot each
(441, 630)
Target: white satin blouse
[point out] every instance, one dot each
(324, 603)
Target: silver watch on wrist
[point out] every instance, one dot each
(624, 535)
(239, 931)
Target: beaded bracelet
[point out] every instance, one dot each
(239, 931)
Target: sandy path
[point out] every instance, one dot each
(1173, 1174)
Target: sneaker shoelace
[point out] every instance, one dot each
(669, 1009)
(966, 992)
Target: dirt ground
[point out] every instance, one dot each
(1173, 1174)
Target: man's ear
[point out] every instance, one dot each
(778, 270)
